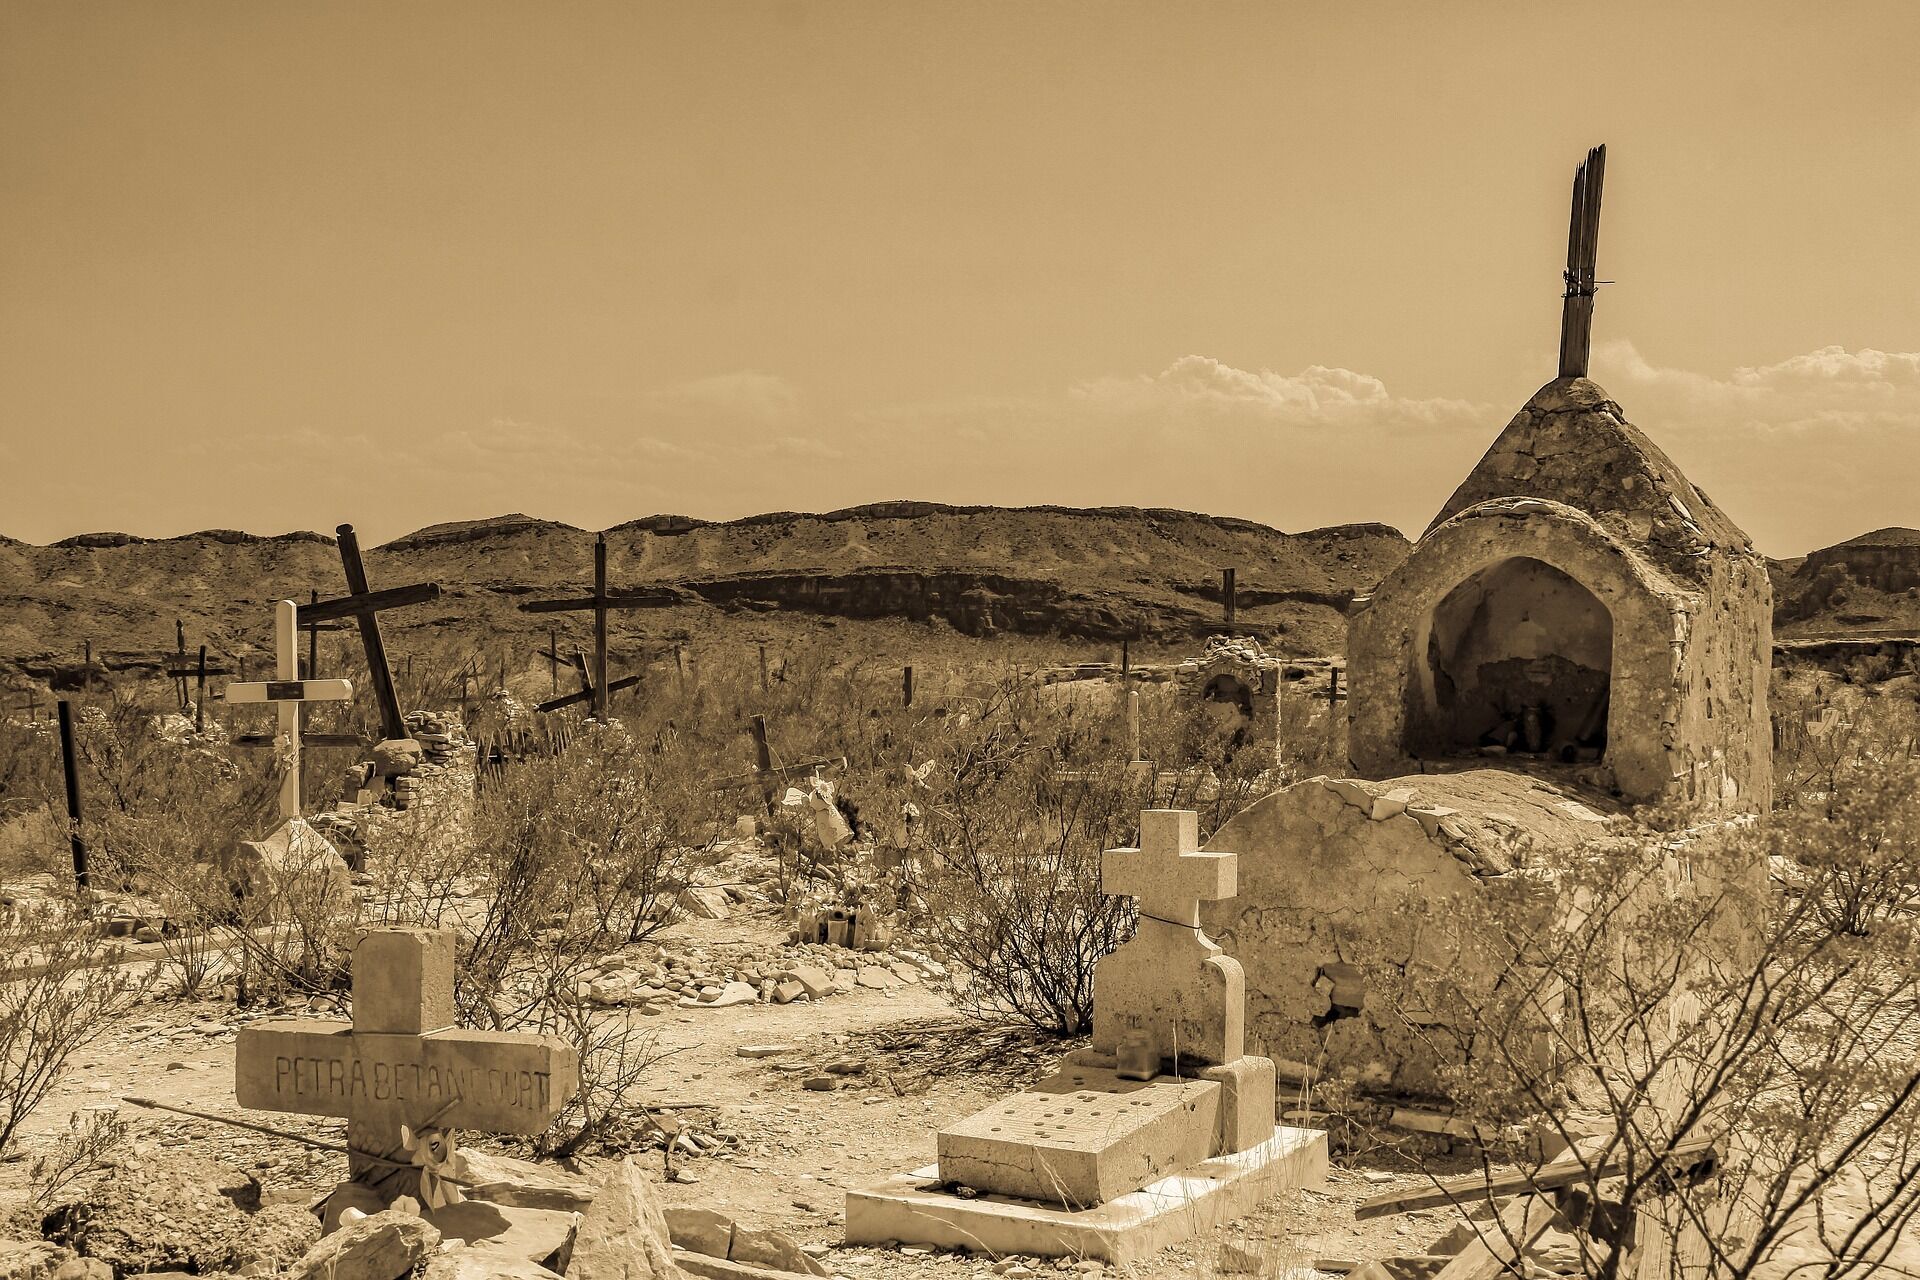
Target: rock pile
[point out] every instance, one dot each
(650, 979)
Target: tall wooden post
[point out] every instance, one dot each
(313, 642)
(86, 671)
(1333, 689)
(1583, 254)
(200, 694)
(1227, 595)
(763, 668)
(553, 657)
(180, 653)
(600, 627)
(906, 686)
(763, 759)
(70, 766)
(1126, 661)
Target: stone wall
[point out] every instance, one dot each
(1325, 868)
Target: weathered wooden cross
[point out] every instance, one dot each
(364, 605)
(313, 630)
(585, 694)
(198, 673)
(401, 1072)
(598, 688)
(766, 774)
(287, 693)
(1583, 254)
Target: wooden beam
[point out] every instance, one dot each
(1570, 1168)
(586, 695)
(1497, 1249)
(288, 691)
(362, 603)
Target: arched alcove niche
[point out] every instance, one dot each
(1517, 656)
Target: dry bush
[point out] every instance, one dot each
(1648, 989)
(93, 1137)
(1013, 840)
(54, 1000)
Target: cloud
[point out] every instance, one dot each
(1316, 396)
(745, 393)
(1831, 389)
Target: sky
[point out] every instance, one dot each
(280, 266)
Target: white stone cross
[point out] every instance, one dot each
(1169, 873)
(287, 691)
(1170, 983)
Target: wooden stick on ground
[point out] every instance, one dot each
(318, 1144)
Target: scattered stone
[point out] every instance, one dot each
(384, 1246)
(700, 1231)
(624, 1235)
(821, 1084)
(762, 1050)
(772, 1249)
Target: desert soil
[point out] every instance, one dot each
(798, 1150)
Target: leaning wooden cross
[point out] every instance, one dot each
(402, 1074)
(364, 606)
(586, 692)
(286, 694)
(600, 602)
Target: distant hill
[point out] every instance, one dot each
(1089, 576)
(1868, 583)
(1095, 575)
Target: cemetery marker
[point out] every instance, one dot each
(402, 1068)
(71, 768)
(198, 673)
(600, 602)
(364, 605)
(287, 694)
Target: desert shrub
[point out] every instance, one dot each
(93, 1137)
(1655, 987)
(1013, 838)
(54, 1000)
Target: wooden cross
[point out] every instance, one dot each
(402, 1069)
(198, 673)
(586, 694)
(364, 605)
(766, 774)
(313, 630)
(600, 602)
(287, 693)
(1583, 250)
(1168, 873)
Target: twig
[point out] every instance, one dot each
(318, 1144)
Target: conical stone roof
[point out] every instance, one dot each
(1572, 444)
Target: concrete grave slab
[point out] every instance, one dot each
(917, 1206)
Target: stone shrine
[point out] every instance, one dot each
(401, 1073)
(1576, 601)
(1163, 1127)
(1579, 633)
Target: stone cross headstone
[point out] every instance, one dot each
(287, 693)
(401, 1073)
(1170, 983)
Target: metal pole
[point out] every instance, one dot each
(72, 770)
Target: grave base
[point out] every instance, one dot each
(914, 1208)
